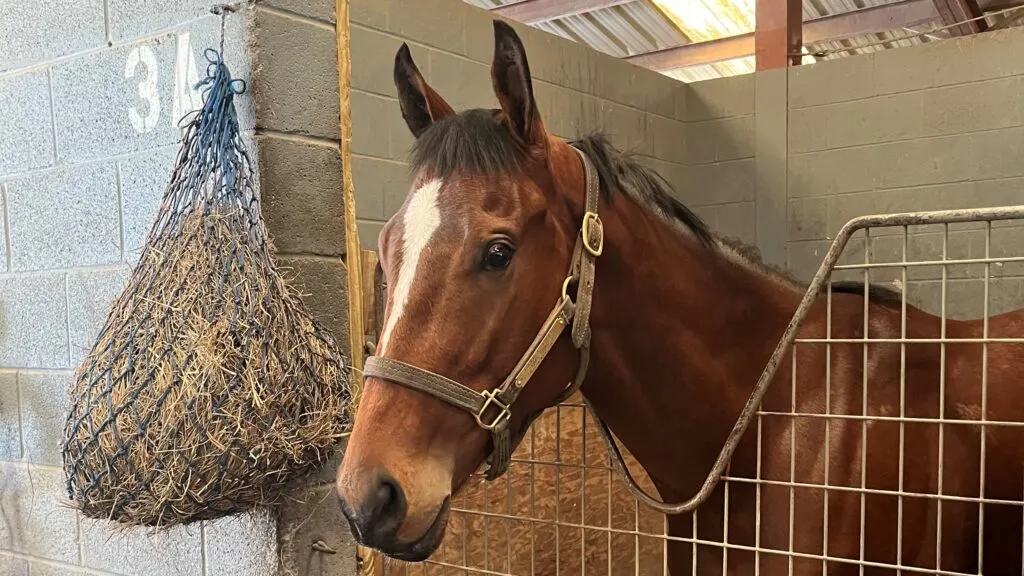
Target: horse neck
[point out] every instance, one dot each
(681, 333)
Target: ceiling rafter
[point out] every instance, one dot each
(904, 14)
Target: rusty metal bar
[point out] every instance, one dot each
(778, 34)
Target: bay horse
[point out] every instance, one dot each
(666, 328)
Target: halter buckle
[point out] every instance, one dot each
(592, 219)
(491, 398)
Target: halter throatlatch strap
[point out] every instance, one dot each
(492, 409)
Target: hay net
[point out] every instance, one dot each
(209, 386)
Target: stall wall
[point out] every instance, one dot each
(90, 92)
(938, 126)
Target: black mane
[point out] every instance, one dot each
(475, 142)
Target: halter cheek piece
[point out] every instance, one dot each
(492, 408)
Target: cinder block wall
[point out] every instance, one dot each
(939, 126)
(90, 92)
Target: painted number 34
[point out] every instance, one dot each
(142, 67)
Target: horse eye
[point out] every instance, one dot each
(498, 256)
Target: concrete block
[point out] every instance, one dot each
(960, 244)
(989, 193)
(831, 81)
(136, 18)
(720, 140)
(720, 98)
(771, 153)
(92, 292)
(848, 206)
(567, 114)
(974, 107)
(659, 94)
(174, 552)
(807, 219)
(366, 12)
(314, 516)
(33, 321)
(831, 172)
(243, 545)
(677, 176)
(3, 229)
(373, 60)
(317, 9)
(33, 32)
(993, 54)
(98, 107)
(996, 154)
(369, 232)
(461, 82)
(933, 64)
(301, 199)
(401, 138)
(923, 162)
(144, 179)
(368, 111)
(1005, 243)
(874, 120)
(381, 187)
(808, 129)
(36, 520)
(668, 138)
(80, 202)
(46, 569)
(722, 182)
(322, 283)
(44, 405)
(13, 566)
(626, 127)
(965, 298)
(10, 418)
(437, 23)
(738, 221)
(804, 258)
(295, 76)
(26, 126)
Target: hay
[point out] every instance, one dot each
(209, 387)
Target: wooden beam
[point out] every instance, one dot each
(535, 11)
(857, 23)
(778, 34)
(953, 11)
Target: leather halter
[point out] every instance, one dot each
(492, 408)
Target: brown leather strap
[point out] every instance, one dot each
(589, 245)
(433, 384)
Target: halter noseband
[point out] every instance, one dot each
(492, 408)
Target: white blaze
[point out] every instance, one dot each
(420, 221)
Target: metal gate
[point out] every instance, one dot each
(561, 509)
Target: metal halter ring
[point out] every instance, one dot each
(491, 397)
(587, 219)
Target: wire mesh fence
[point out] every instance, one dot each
(890, 444)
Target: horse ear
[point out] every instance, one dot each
(510, 73)
(421, 105)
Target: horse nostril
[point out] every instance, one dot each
(375, 521)
(388, 505)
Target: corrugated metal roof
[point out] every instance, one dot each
(642, 26)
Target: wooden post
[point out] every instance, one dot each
(778, 34)
(366, 560)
